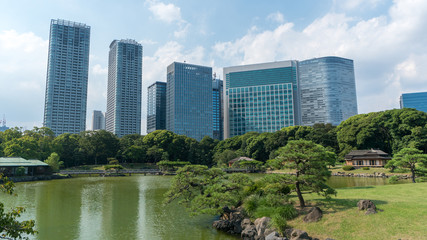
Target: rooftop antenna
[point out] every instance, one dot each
(214, 75)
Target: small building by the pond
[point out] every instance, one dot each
(367, 158)
(238, 159)
(9, 166)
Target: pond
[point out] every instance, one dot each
(119, 208)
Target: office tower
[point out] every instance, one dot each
(217, 113)
(123, 114)
(67, 77)
(188, 100)
(260, 97)
(156, 109)
(328, 91)
(98, 120)
(414, 100)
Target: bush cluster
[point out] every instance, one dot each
(348, 168)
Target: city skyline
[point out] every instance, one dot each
(384, 38)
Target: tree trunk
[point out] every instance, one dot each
(301, 199)
(413, 173)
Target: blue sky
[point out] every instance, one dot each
(386, 40)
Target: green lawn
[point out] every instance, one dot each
(404, 215)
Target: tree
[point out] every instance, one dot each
(53, 162)
(67, 147)
(156, 154)
(98, 145)
(309, 160)
(222, 158)
(207, 191)
(410, 158)
(10, 226)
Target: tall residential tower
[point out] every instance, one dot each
(67, 77)
(123, 114)
(189, 100)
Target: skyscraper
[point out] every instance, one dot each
(217, 112)
(260, 97)
(123, 114)
(156, 107)
(98, 120)
(188, 100)
(328, 90)
(414, 100)
(67, 77)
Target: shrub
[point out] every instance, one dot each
(421, 179)
(347, 168)
(20, 171)
(393, 179)
(365, 168)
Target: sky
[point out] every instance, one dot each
(386, 39)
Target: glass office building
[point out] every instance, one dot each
(123, 114)
(189, 100)
(156, 107)
(67, 77)
(327, 90)
(217, 113)
(260, 97)
(414, 100)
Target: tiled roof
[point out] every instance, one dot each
(240, 159)
(18, 162)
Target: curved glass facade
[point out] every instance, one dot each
(327, 89)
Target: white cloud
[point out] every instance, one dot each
(97, 69)
(169, 13)
(385, 49)
(23, 60)
(165, 12)
(276, 17)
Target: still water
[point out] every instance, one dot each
(119, 208)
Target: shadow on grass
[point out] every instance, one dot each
(334, 205)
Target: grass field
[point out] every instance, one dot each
(404, 213)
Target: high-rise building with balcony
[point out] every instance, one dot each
(123, 114)
(67, 77)
(189, 100)
(217, 110)
(156, 107)
(98, 120)
(416, 100)
(327, 90)
(260, 97)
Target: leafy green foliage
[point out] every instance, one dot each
(20, 171)
(53, 162)
(389, 131)
(309, 160)
(365, 168)
(347, 168)
(207, 191)
(393, 179)
(171, 165)
(412, 159)
(10, 226)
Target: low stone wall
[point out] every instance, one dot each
(372, 175)
(37, 178)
